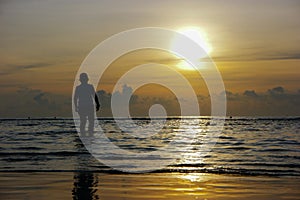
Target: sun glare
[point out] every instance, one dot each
(198, 36)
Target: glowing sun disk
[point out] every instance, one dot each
(199, 37)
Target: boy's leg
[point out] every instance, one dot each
(82, 124)
(91, 118)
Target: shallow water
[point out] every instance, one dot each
(177, 186)
(253, 158)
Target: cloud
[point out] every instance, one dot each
(138, 105)
(7, 85)
(257, 56)
(250, 93)
(40, 100)
(34, 103)
(11, 69)
(284, 56)
(26, 102)
(165, 60)
(276, 91)
(32, 66)
(274, 102)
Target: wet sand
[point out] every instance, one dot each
(178, 186)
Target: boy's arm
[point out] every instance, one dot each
(75, 100)
(97, 102)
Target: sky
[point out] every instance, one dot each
(254, 44)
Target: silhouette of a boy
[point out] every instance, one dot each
(84, 99)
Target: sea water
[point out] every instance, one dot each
(256, 146)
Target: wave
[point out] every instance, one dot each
(224, 171)
(275, 150)
(55, 153)
(238, 148)
(168, 117)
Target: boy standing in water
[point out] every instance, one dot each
(84, 98)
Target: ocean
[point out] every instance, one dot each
(255, 148)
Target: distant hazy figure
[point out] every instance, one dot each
(84, 98)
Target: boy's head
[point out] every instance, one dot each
(84, 78)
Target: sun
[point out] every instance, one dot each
(198, 36)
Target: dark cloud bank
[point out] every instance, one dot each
(27, 102)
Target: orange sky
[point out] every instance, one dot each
(255, 45)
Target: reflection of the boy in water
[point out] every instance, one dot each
(85, 186)
(85, 182)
